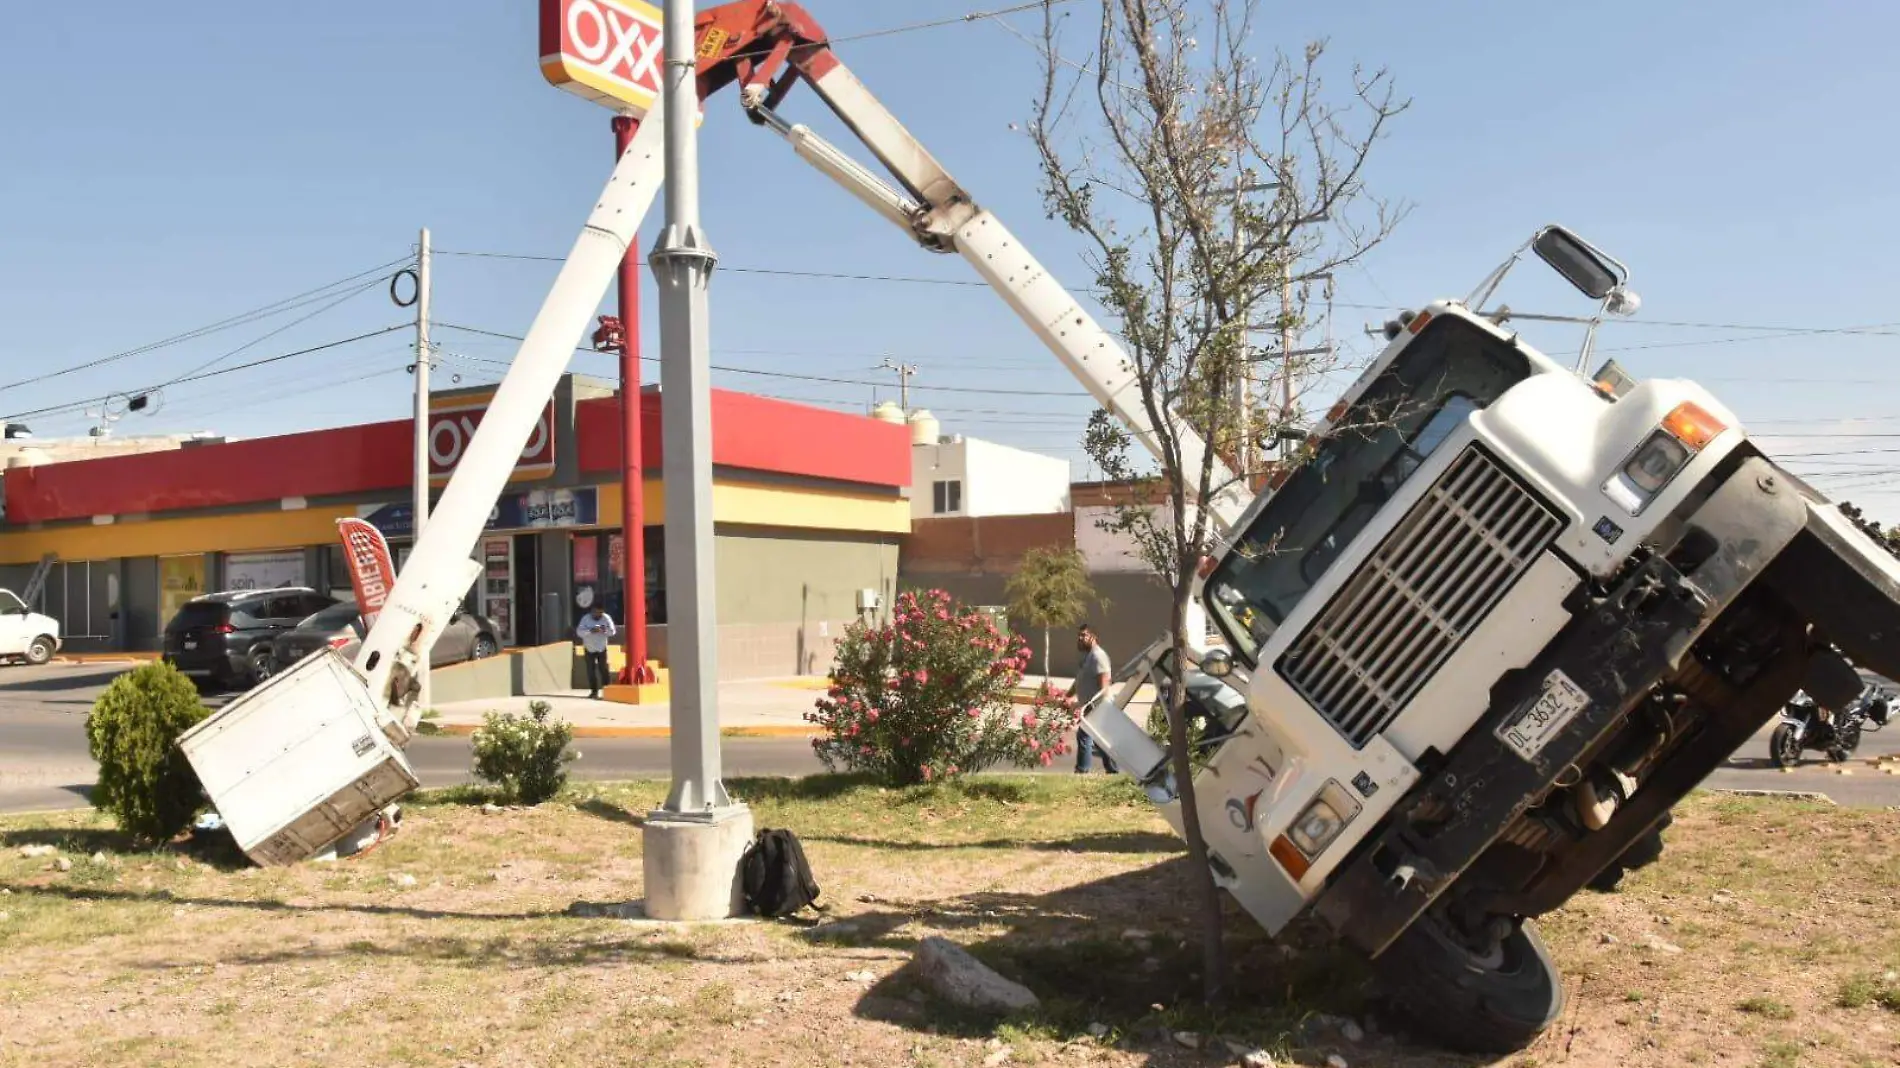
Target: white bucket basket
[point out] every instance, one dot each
(295, 764)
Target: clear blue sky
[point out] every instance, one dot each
(167, 166)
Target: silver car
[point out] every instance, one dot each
(467, 637)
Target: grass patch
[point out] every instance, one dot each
(1071, 886)
(1868, 988)
(1766, 1008)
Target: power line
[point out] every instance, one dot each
(80, 405)
(794, 376)
(290, 303)
(786, 272)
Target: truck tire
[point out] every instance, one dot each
(1784, 749)
(1642, 853)
(1492, 1003)
(39, 650)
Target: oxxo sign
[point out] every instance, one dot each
(452, 423)
(607, 51)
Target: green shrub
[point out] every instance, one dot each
(132, 731)
(525, 756)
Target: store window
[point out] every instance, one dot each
(263, 571)
(498, 585)
(947, 496)
(180, 578)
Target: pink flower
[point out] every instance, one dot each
(926, 770)
(870, 715)
(951, 770)
(866, 750)
(922, 676)
(941, 614)
(972, 712)
(904, 742)
(851, 731)
(1046, 760)
(1033, 744)
(1029, 720)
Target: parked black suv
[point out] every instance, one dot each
(225, 639)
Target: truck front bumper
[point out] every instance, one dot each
(1615, 650)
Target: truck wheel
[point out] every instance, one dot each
(39, 650)
(1642, 853)
(1784, 749)
(1493, 1001)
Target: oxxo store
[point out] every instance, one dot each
(809, 507)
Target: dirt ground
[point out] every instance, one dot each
(473, 938)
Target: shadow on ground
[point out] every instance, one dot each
(1122, 953)
(63, 680)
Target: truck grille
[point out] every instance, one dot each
(1433, 580)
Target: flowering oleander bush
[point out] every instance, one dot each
(927, 697)
(525, 756)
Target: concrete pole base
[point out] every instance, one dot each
(692, 865)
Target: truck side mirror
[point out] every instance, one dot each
(1580, 264)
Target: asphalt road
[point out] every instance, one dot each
(44, 764)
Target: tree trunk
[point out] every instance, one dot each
(1045, 656)
(1213, 950)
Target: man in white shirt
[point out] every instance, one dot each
(596, 632)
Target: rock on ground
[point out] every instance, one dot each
(955, 975)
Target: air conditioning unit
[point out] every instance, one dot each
(869, 601)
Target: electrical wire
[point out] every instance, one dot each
(794, 376)
(81, 405)
(290, 303)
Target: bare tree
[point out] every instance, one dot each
(1207, 186)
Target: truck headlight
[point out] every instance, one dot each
(1319, 823)
(1662, 456)
(1316, 828)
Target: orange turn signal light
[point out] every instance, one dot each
(1418, 322)
(1693, 425)
(1290, 857)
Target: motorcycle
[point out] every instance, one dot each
(1804, 727)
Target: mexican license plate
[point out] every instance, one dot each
(1553, 710)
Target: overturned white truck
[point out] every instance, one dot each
(1496, 625)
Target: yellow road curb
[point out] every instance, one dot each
(465, 729)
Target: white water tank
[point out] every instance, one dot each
(888, 412)
(923, 428)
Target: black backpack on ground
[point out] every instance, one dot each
(775, 875)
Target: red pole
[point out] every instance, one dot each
(633, 476)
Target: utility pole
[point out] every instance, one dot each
(904, 373)
(694, 842)
(423, 356)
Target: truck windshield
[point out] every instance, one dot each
(1453, 368)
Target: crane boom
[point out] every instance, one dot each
(770, 46)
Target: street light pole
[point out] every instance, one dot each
(694, 842)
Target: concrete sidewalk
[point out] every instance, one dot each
(752, 707)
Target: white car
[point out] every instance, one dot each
(25, 634)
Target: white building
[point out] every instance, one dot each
(959, 476)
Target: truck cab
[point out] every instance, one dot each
(26, 636)
(1490, 627)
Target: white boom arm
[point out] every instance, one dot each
(440, 569)
(939, 215)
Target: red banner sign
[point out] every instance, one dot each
(452, 424)
(372, 572)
